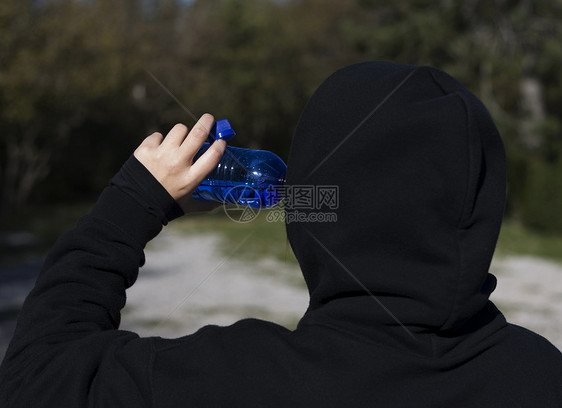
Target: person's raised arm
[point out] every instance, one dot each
(67, 350)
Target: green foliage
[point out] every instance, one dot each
(542, 204)
(77, 93)
(265, 239)
(516, 239)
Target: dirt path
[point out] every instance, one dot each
(529, 293)
(185, 284)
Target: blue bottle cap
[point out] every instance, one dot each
(222, 130)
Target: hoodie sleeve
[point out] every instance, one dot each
(67, 350)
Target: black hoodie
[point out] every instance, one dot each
(399, 314)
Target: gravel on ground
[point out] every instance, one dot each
(187, 283)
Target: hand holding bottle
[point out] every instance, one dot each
(170, 161)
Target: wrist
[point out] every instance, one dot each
(136, 180)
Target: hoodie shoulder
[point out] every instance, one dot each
(531, 362)
(222, 366)
(533, 344)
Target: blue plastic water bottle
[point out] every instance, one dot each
(243, 177)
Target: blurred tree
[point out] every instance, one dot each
(60, 60)
(253, 61)
(82, 81)
(544, 185)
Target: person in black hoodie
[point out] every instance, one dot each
(399, 312)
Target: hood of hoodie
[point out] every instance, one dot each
(420, 171)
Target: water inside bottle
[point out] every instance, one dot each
(243, 177)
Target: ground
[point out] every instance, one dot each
(187, 283)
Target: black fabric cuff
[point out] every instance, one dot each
(136, 181)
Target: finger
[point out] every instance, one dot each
(176, 136)
(197, 136)
(154, 140)
(147, 145)
(208, 161)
